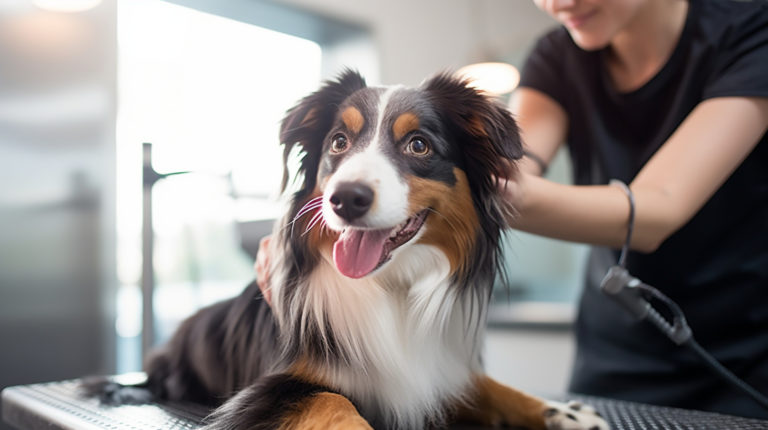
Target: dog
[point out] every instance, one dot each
(381, 275)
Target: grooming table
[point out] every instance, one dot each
(59, 406)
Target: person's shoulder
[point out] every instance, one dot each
(732, 8)
(732, 41)
(719, 18)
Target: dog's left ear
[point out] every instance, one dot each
(307, 123)
(491, 140)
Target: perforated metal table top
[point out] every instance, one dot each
(59, 405)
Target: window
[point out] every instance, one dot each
(208, 92)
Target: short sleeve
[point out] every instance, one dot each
(543, 69)
(741, 63)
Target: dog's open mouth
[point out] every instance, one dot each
(359, 252)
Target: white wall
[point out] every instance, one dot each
(417, 38)
(537, 360)
(57, 119)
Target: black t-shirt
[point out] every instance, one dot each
(716, 266)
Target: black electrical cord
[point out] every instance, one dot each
(727, 374)
(633, 295)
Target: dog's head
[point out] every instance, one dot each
(385, 168)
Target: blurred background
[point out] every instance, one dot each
(84, 84)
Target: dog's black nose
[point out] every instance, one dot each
(351, 200)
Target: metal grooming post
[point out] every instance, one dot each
(149, 178)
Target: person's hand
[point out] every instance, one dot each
(512, 188)
(262, 269)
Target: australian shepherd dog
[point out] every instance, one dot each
(381, 275)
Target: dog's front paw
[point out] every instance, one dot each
(573, 416)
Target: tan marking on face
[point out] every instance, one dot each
(353, 119)
(322, 184)
(405, 124)
(453, 225)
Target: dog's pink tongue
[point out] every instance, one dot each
(358, 252)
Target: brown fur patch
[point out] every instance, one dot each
(353, 119)
(405, 124)
(305, 371)
(309, 118)
(477, 127)
(454, 224)
(494, 404)
(324, 411)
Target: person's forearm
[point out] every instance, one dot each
(590, 214)
(595, 214)
(669, 190)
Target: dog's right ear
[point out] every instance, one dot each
(307, 124)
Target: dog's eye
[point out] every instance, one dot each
(339, 143)
(418, 146)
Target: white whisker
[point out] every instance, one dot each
(312, 205)
(315, 219)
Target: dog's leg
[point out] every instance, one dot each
(286, 402)
(325, 411)
(495, 404)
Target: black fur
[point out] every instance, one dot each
(306, 125)
(490, 140)
(216, 352)
(308, 122)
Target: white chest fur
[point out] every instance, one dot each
(412, 340)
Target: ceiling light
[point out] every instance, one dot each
(66, 5)
(491, 77)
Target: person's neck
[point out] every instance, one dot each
(639, 51)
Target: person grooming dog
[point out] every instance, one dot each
(670, 97)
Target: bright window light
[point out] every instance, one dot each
(209, 93)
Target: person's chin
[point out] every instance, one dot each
(588, 42)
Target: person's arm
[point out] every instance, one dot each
(543, 124)
(675, 183)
